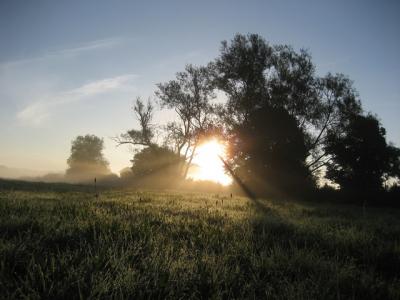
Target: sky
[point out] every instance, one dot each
(70, 68)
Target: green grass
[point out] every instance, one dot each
(127, 244)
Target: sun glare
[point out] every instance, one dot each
(209, 165)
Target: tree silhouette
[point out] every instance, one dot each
(240, 73)
(86, 160)
(284, 124)
(273, 81)
(338, 102)
(266, 88)
(360, 157)
(144, 136)
(269, 152)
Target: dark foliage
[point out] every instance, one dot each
(269, 150)
(360, 157)
(285, 124)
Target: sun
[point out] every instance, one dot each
(209, 164)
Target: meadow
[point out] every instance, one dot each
(64, 243)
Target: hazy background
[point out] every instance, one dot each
(74, 67)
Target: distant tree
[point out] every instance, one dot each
(189, 96)
(86, 160)
(144, 136)
(360, 158)
(156, 166)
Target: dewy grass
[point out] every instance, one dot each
(129, 244)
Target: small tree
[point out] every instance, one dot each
(156, 166)
(87, 160)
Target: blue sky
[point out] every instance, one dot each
(74, 67)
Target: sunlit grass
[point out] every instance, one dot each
(130, 244)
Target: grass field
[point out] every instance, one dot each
(59, 244)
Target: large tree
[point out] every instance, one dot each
(87, 160)
(270, 97)
(257, 76)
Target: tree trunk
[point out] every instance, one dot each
(190, 161)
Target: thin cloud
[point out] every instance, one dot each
(90, 46)
(38, 111)
(68, 52)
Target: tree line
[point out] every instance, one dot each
(287, 129)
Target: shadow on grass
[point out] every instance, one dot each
(341, 258)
